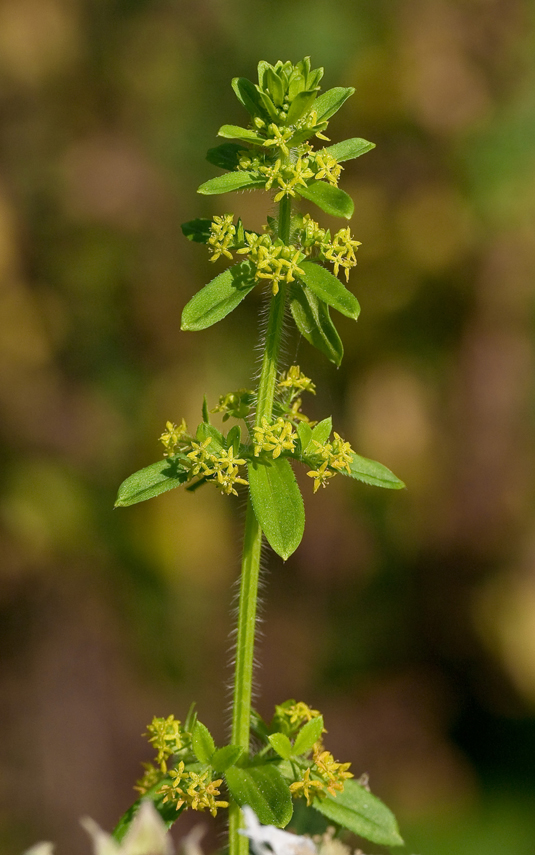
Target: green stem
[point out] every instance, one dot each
(252, 546)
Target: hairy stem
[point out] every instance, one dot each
(252, 545)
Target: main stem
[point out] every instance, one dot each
(252, 546)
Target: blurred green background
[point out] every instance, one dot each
(407, 618)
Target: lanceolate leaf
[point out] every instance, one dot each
(363, 814)
(373, 473)
(157, 478)
(224, 155)
(329, 198)
(247, 93)
(281, 744)
(300, 105)
(313, 321)
(330, 102)
(309, 734)
(234, 132)
(202, 743)
(206, 430)
(329, 289)
(277, 503)
(264, 789)
(217, 299)
(241, 180)
(348, 149)
(320, 433)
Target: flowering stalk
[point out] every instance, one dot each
(290, 256)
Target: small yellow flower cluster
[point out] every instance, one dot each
(150, 777)
(273, 261)
(167, 737)
(313, 237)
(295, 380)
(335, 455)
(194, 790)
(279, 138)
(287, 176)
(222, 466)
(173, 436)
(276, 437)
(222, 234)
(296, 714)
(330, 776)
(329, 168)
(341, 251)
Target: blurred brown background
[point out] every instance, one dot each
(407, 618)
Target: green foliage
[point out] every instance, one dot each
(330, 199)
(362, 813)
(264, 789)
(329, 289)
(278, 504)
(151, 481)
(217, 299)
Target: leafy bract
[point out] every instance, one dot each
(217, 299)
(202, 743)
(371, 472)
(362, 813)
(264, 789)
(349, 149)
(277, 503)
(313, 321)
(309, 734)
(157, 478)
(234, 132)
(281, 744)
(197, 230)
(330, 102)
(320, 434)
(300, 105)
(329, 289)
(329, 198)
(229, 182)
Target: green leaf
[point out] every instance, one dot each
(247, 93)
(157, 478)
(300, 105)
(241, 180)
(197, 230)
(329, 198)
(220, 297)
(313, 321)
(305, 133)
(205, 413)
(309, 734)
(304, 432)
(277, 503)
(373, 473)
(264, 789)
(362, 813)
(234, 132)
(206, 430)
(273, 84)
(234, 439)
(281, 744)
(348, 149)
(330, 102)
(202, 743)
(328, 288)
(225, 757)
(320, 433)
(225, 155)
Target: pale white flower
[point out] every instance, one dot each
(41, 849)
(269, 840)
(147, 835)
